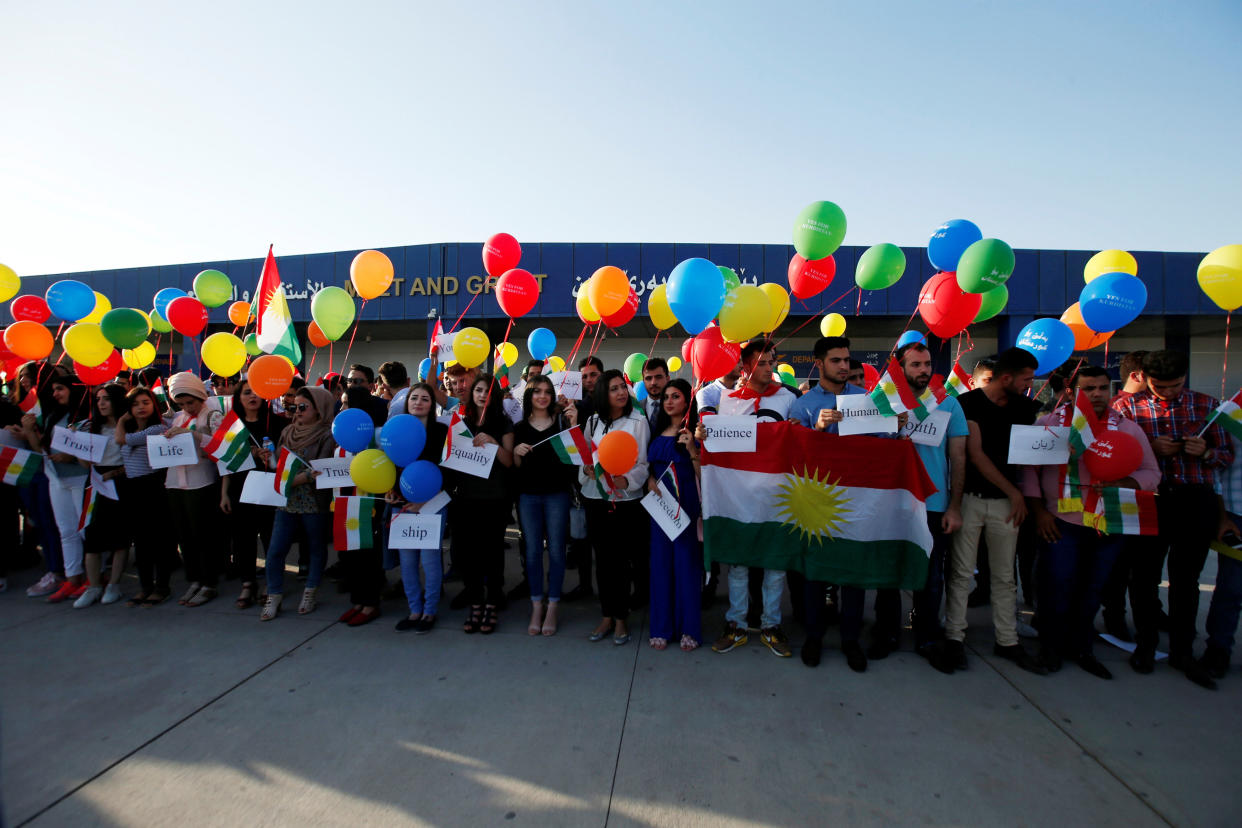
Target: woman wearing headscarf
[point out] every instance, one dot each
(106, 532)
(309, 437)
(143, 488)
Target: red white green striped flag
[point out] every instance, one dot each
(351, 523)
(1116, 511)
(30, 404)
(959, 381)
(457, 430)
(572, 447)
(19, 466)
(274, 332)
(1229, 415)
(1083, 425)
(502, 370)
(606, 490)
(287, 467)
(230, 444)
(88, 508)
(892, 394)
(158, 392)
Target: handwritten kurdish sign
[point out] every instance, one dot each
(80, 444)
(860, 416)
(471, 459)
(930, 432)
(1039, 445)
(333, 472)
(568, 384)
(666, 512)
(166, 452)
(415, 531)
(725, 433)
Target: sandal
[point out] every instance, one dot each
(536, 619)
(308, 601)
(688, 644)
(246, 599)
(138, 600)
(474, 619)
(549, 620)
(155, 599)
(271, 608)
(190, 593)
(204, 595)
(491, 619)
(658, 643)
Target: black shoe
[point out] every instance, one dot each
(424, 626)
(1116, 627)
(1193, 670)
(1143, 660)
(954, 655)
(407, 624)
(1093, 666)
(854, 656)
(978, 598)
(1050, 658)
(881, 647)
(934, 652)
(811, 649)
(1215, 661)
(1019, 656)
(460, 601)
(520, 591)
(578, 593)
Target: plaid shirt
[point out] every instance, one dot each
(1180, 418)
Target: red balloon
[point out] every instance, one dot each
(687, 351)
(102, 373)
(625, 314)
(517, 292)
(187, 316)
(30, 307)
(871, 376)
(501, 253)
(808, 278)
(1112, 456)
(712, 357)
(945, 307)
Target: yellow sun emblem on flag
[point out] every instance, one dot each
(352, 523)
(814, 506)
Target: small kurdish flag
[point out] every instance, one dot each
(1229, 415)
(457, 431)
(606, 490)
(230, 444)
(19, 466)
(1116, 511)
(351, 523)
(30, 405)
(502, 370)
(572, 447)
(88, 508)
(959, 381)
(1083, 425)
(929, 401)
(892, 394)
(160, 395)
(287, 467)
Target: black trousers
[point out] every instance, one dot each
(196, 516)
(620, 535)
(154, 549)
(478, 546)
(247, 523)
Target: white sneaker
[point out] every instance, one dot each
(46, 585)
(112, 594)
(89, 597)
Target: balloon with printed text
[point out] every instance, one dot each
(517, 291)
(1220, 276)
(30, 307)
(1050, 341)
(944, 307)
(992, 303)
(372, 471)
(985, 265)
(1112, 301)
(471, 347)
(608, 288)
(70, 300)
(711, 357)
(163, 298)
(501, 252)
(353, 429)
(421, 481)
(371, 274)
(270, 376)
(949, 242)
(809, 278)
(819, 230)
(402, 438)
(731, 279)
(1112, 456)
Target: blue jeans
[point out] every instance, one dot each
(284, 529)
(739, 596)
(1072, 574)
(544, 516)
(423, 596)
(1222, 620)
(38, 502)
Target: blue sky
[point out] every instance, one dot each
(149, 133)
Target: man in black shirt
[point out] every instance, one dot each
(992, 505)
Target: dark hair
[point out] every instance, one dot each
(148, 377)
(662, 420)
(393, 374)
(1059, 379)
(297, 383)
(655, 363)
(1131, 363)
(528, 397)
(74, 408)
(1014, 361)
(116, 396)
(357, 397)
(332, 381)
(431, 392)
(40, 374)
(1089, 371)
(134, 393)
(365, 370)
(757, 347)
(493, 417)
(534, 363)
(1166, 365)
(599, 396)
(827, 343)
(591, 360)
(907, 348)
(984, 364)
(855, 364)
(265, 407)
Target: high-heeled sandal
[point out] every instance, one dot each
(549, 619)
(491, 619)
(688, 644)
(536, 618)
(473, 620)
(246, 599)
(271, 608)
(658, 643)
(308, 601)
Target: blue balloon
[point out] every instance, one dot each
(424, 368)
(909, 337)
(541, 343)
(950, 241)
(402, 438)
(164, 297)
(1111, 301)
(421, 481)
(70, 300)
(353, 430)
(1050, 340)
(695, 293)
(640, 391)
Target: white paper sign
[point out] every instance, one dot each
(415, 531)
(930, 432)
(260, 489)
(518, 391)
(729, 433)
(104, 488)
(860, 416)
(666, 512)
(166, 452)
(80, 444)
(333, 472)
(1039, 445)
(444, 348)
(568, 384)
(434, 505)
(471, 459)
(246, 465)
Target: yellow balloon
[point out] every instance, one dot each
(1220, 276)
(139, 357)
(10, 283)
(85, 343)
(779, 299)
(508, 354)
(832, 325)
(659, 311)
(1109, 261)
(745, 313)
(585, 310)
(102, 306)
(470, 348)
(555, 363)
(674, 365)
(373, 472)
(224, 354)
(147, 317)
(785, 368)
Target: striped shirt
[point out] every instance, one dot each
(134, 452)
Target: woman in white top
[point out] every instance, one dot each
(617, 524)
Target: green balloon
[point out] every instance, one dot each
(819, 230)
(158, 323)
(790, 380)
(333, 309)
(634, 367)
(213, 288)
(994, 302)
(730, 277)
(124, 327)
(984, 266)
(880, 267)
(252, 345)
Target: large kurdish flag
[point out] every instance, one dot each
(1116, 511)
(847, 510)
(351, 523)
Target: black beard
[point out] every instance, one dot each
(916, 386)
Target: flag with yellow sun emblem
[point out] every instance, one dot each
(847, 510)
(351, 523)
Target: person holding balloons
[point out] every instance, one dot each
(106, 531)
(617, 524)
(154, 554)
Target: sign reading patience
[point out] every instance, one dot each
(727, 433)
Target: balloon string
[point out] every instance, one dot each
(569, 362)
(311, 367)
(463, 313)
(813, 318)
(352, 334)
(594, 339)
(1224, 368)
(651, 350)
(858, 304)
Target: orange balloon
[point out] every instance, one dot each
(239, 313)
(608, 289)
(315, 334)
(1084, 338)
(270, 376)
(29, 340)
(371, 272)
(617, 452)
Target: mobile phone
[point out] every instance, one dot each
(1232, 539)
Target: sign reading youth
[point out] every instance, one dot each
(931, 431)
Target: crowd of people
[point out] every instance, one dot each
(996, 527)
